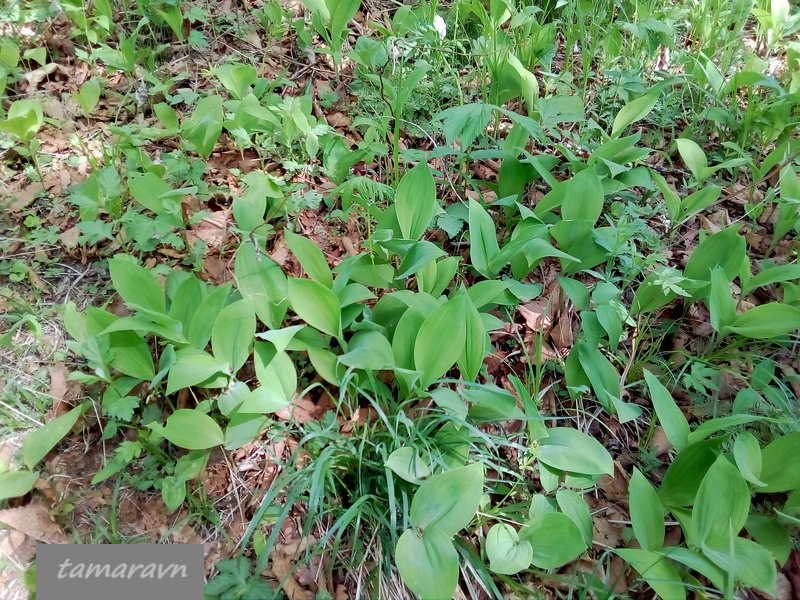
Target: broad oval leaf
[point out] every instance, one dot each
(136, 285)
(17, 483)
(316, 305)
(767, 321)
(693, 157)
(368, 350)
(311, 258)
(506, 553)
(724, 249)
(204, 127)
(571, 450)
(475, 342)
(780, 469)
(191, 429)
(415, 201)
(722, 503)
(483, 249)
(191, 368)
(555, 538)
(428, 566)
(432, 357)
(447, 501)
(233, 333)
(685, 474)
(751, 563)
(656, 571)
(407, 464)
(747, 453)
(263, 282)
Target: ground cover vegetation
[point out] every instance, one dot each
(469, 298)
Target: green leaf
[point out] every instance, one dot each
(507, 554)
(555, 538)
(722, 503)
(697, 562)
(89, 95)
(633, 111)
(656, 571)
(749, 562)
(17, 483)
(191, 429)
(747, 453)
(483, 248)
(432, 358)
(583, 199)
(647, 515)
(39, 442)
(693, 157)
(428, 566)
(368, 350)
(173, 492)
(571, 450)
(672, 419)
(780, 469)
(415, 201)
(149, 190)
(205, 125)
(721, 305)
(766, 321)
(768, 532)
(724, 249)
(770, 275)
(574, 506)
(447, 501)
(131, 355)
(697, 202)
(407, 464)
(233, 333)
(192, 367)
(236, 78)
(316, 305)
(136, 285)
(685, 474)
(202, 323)
(261, 281)
(191, 465)
(311, 258)
(475, 344)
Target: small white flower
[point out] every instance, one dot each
(440, 26)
